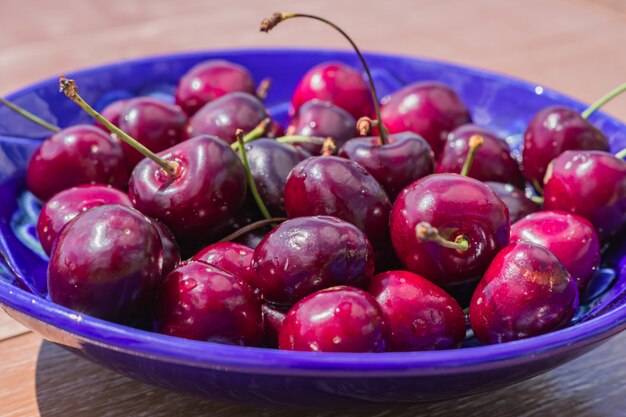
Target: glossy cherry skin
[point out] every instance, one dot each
(337, 319)
(273, 318)
(223, 116)
(210, 80)
(515, 200)
(231, 257)
(81, 154)
(430, 109)
(307, 254)
(572, 239)
(270, 164)
(492, 162)
(553, 131)
(113, 113)
(525, 292)
(421, 315)
(206, 192)
(329, 185)
(455, 205)
(202, 302)
(590, 184)
(153, 123)
(67, 204)
(336, 83)
(107, 263)
(405, 158)
(322, 119)
(171, 249)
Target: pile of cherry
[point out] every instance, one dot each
(290, 246)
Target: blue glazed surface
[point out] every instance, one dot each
(267, 376)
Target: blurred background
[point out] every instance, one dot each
(575, 46)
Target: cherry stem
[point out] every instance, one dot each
(254, 134)
(610, 96)
(264, 88)
(537, 186)
(621, 154)
(301, 139)
(70, 89)
(329, 147)
(251, 227)
(251, 183)
(475, 142)
(536, 199)
(364, 125)
(269, 23)
(28, 115)
(426, 232)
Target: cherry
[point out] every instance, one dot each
(201, 197)
(273, 319)
(525, 292)
(76, 155)
(107, 263)
(472, 222)
(113, 113)
(492, 162)
(515, 200)
(405, 158)
(201, 302)
(329, 185)
(270, 164)
(307, 254)
(590, 184)
(322, 119)
(155, 124)
(552, 131)
(223, 116)
(337, 319)
(421, 315)
(572, 239)
(69, 203)
(430, 109)
(171, 250)
(231, 257)
(210, 80)
(336, 83)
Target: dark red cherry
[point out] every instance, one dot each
(223, 116)
(67, 204)
(107, 263)
(405, 158)
(202, 302)
(590, 184)
(307, 254)
(273, 318)
(421, 315)
(201, 197)
(113, 113)
(515, 200)
(572, 239)
(275, 130)
(338, 319)
(458, 207)
(329, 185)
(553, 131)
(171, 249)
(430, 109)
(81, 154)
(322, 119)
(336, 83)
(270, 164)
(525, 292)
(210, 80)
(492, 161)
(153, 123)
(231, 257)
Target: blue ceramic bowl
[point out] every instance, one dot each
(255, 375)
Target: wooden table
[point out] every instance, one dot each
(576, 46)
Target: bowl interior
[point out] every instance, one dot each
(500, 103)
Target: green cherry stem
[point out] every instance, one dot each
(254, 134)
(301, 139)
(252, 226)
(269, 23)
(28, 115)
(610, 96)
(251, 183)
(475, 142)
(264, 88)
(70, 89)
(621, 154)
(426, 232)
